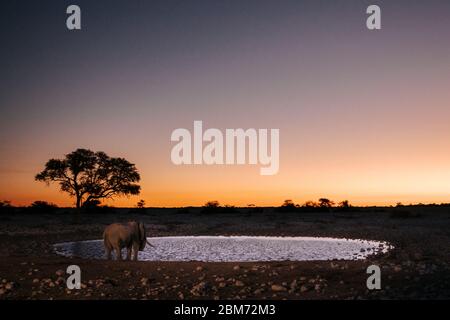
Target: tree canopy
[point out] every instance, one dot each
(88, 176)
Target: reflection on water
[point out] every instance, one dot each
(237, 249)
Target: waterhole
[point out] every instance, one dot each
(236, 249)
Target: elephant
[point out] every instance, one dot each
(130, 235)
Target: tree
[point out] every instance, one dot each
(289, 204)
(325, 203)
(344, 204)
(141, 204)
(88, 176)
(310, 204)
(43, 207)
(212, 204)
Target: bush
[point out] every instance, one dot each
(288, 206)
(403, 214)
(254, 210)
(43, 207)
(91, 204)
(5, 204)
(94, 206)
(184, 210)
(141, 204)
(6, 207)
(214, 207)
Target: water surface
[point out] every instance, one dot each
(236, 249)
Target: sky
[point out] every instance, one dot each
(363, 115)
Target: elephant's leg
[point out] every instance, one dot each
(135, 252)
(108, 253)
(118, 253)
(129, 253)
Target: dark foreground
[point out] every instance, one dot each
(418, 267)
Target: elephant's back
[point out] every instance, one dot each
(114, 226)
(116, 230)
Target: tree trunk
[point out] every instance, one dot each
(78, 203)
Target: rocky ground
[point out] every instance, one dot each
(418, 267)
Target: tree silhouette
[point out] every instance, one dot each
(43, 207)
(141, 204)
(325, 203)
(88, 176)
(289, 204)
(344, 204)
(310, 204)
(212, 204)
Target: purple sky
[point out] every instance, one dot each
(363, 115)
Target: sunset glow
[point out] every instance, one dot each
(363, 116)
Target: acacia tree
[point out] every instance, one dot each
(325, 203)
(89, 176)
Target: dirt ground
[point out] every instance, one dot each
(418, 267)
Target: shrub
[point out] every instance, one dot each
(184, 210)
(141, 204)
(6, 207)
(403, 214)
(94, 206)
(43, 207)
(288, 206)
(214, 207)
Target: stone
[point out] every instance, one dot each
(60, 281)
(278, 288)
(9, 286)
(59, 273)
(239, 283)
(293, 285)
(304, 288)
(200, 289)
